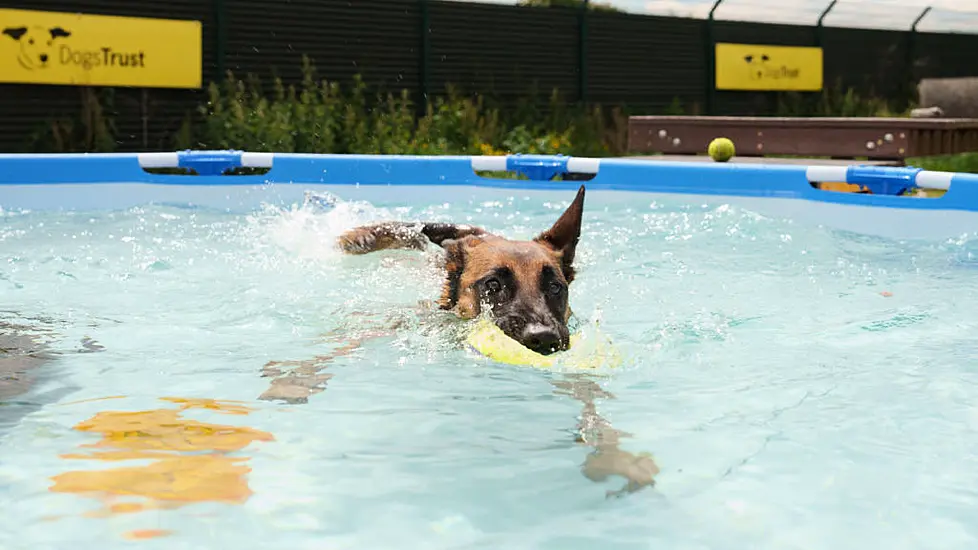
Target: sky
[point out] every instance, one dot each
(945, 15)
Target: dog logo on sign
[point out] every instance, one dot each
(756, 65)
(36, 44)
(762, 67)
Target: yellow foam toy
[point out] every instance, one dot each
(590, 352)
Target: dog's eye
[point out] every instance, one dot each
(493, 286)
(555, 288)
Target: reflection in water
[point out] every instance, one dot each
(25, 353)
(142, 534)
(190, 461)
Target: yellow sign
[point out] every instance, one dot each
(769, 68)
(40, 47)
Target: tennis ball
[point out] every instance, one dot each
(721, 149)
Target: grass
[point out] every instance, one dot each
(964, 162)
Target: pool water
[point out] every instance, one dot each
(797, 387)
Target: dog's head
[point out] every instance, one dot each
(36, 44)
(524, 284)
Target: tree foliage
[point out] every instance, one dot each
(599, 6)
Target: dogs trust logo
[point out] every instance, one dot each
(761, 68)
(37, 45)
(40, 47)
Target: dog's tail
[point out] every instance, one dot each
(402, 235)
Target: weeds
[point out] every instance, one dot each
(835, 101)
(964, 162)
(315, 115)
(318, 116)
(93, 130)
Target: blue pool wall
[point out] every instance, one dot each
(120, 180)
(619, 174)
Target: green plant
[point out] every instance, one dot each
(964, 162)
(317, 116)
(93, 131)
(675, 108)
(835, 101)
(597, 6)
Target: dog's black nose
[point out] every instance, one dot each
(541, 339)
(44, 58)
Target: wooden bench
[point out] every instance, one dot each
(881, 139)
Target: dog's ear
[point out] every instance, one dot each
(58, 32)
(454, 296)
(454, 267)
(15, 32)
(565, 233)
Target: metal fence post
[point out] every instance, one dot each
(711, 60)
(424, 56)
(819, 28)
(220, 39)
(912, 51)
(582, 77)
(916, 21)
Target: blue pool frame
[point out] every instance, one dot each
(23, 177)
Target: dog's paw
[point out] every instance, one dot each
(371, 238)
(640, 470)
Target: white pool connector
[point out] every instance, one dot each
(577, 165)
(822, 174)
(257, 160)
(583, 165)
(934, 180)
(159, 160)
(172, 160)
(489, 164)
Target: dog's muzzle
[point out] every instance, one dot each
(541, 339)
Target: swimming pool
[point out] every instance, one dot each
(799, 385)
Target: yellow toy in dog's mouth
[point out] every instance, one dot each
(588, 351)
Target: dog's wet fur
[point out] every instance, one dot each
(523, 283)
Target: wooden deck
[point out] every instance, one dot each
(769, 160)
(886, 139)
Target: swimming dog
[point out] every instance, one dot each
(524, 284)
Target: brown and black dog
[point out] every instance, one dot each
(524, 284)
